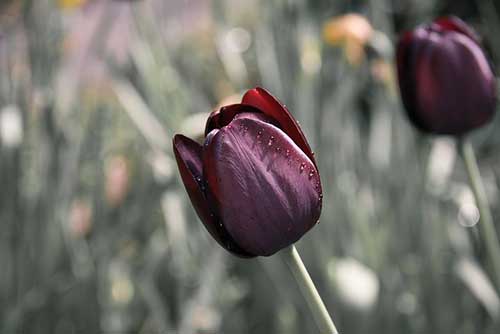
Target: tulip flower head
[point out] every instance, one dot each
(254, 182)
(446, 82)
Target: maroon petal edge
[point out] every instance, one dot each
(263, 100)
(223, 116)
(447, 23)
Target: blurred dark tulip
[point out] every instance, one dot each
(254, 183)
(446, 82)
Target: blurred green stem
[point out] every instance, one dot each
(318, 308)
(486, 225)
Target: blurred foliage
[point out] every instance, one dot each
(98, 235)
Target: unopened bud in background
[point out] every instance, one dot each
(117, 180)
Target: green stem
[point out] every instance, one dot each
(486, 226)
(306, 285)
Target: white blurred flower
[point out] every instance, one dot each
(11, 126)
(441, 161)
(356, 284)
(237, 40)
(468, 213)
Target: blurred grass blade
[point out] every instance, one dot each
(474, 277)
(143, 118)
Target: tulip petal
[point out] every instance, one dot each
(407, 49)
(446, 82)
(263, 100)
(225, 115)
(188, 155)
(266, 189)
(258, 117)
(453, 23)
(455, 86)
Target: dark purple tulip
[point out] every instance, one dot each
(446, 82)
(254, 182)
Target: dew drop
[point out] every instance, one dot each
(271, 140)
(259, 134)
(302, 166)
(278, 149)
(311, 173)
(287, 153)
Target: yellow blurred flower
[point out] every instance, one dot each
(70, 3)
(352, 32)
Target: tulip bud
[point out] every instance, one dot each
(80, 218)
(254, 183)
(117, 180)
(357, 284)
(446, 82)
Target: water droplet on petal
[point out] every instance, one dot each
(271, 140)
(259, 134)
(302, 166)
(243, 128)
